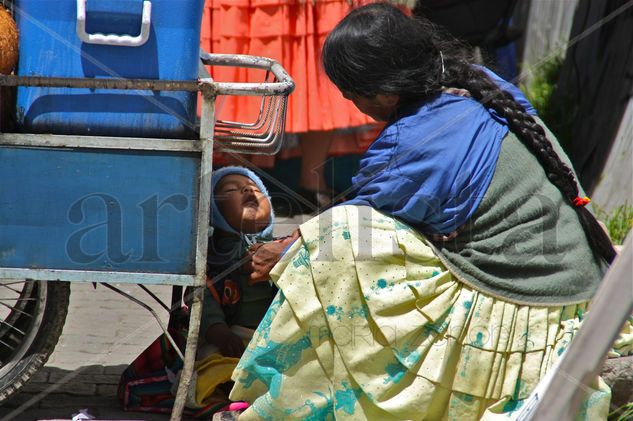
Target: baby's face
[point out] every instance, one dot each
(244, 207)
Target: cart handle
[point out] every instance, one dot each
(283, 86)
(113, 39)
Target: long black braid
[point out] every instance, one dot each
(482, 88)
(377, 49)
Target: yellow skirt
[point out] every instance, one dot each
(368, 324)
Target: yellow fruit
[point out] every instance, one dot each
(8, 42)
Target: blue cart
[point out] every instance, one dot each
(104, 209)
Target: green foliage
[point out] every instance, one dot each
(540, 90)
(619, 222)
(623, 413)
(557, 111)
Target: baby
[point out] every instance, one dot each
(234, 305)
(241, 215)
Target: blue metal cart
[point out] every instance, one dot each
(115, 210)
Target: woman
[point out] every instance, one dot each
(460, 270)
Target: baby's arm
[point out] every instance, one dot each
(220, 335)
(215, 329)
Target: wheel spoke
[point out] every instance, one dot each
(17, 309)
(6, 285)
(12, 327)
(17, 299)
(7, 345)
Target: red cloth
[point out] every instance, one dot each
(293, 33)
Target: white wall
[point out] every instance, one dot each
(616, 182)
(547, 32)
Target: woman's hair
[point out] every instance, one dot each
(377, 49)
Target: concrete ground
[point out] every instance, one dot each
(103, 333)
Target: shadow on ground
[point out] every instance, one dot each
(54, 393)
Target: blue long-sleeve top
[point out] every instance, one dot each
(432, 165)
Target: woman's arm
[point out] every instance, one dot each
(265, 256)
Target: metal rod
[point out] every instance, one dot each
(17, 299)
(96, 276)
(17, 309)
(99, 142)
(12, 327)
(148, 308)
(103, 83)
(9, 288)
(151, 294)
(176, 302)
(4, 284)
(261, 117)
(190, 354)
(204, 203)
(7, 345)
(284, 85)
(253, 62)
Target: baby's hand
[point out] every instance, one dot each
(229, 343)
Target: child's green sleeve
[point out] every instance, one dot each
(212, 312)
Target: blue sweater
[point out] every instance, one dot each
(432, 166)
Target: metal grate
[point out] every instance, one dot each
(265, 134)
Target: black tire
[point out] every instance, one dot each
(29, 330)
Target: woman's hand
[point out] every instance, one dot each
(221, 335)
(265, 256)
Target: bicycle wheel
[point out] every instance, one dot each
(32, 315)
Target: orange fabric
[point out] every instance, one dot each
(212, 290)
(291, 32)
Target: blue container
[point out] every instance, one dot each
(50, 45)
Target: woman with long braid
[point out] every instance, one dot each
(462, 266)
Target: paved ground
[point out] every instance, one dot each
(103, 333)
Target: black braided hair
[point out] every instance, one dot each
(377, 49)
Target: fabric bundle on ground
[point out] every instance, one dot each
(149, 384)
